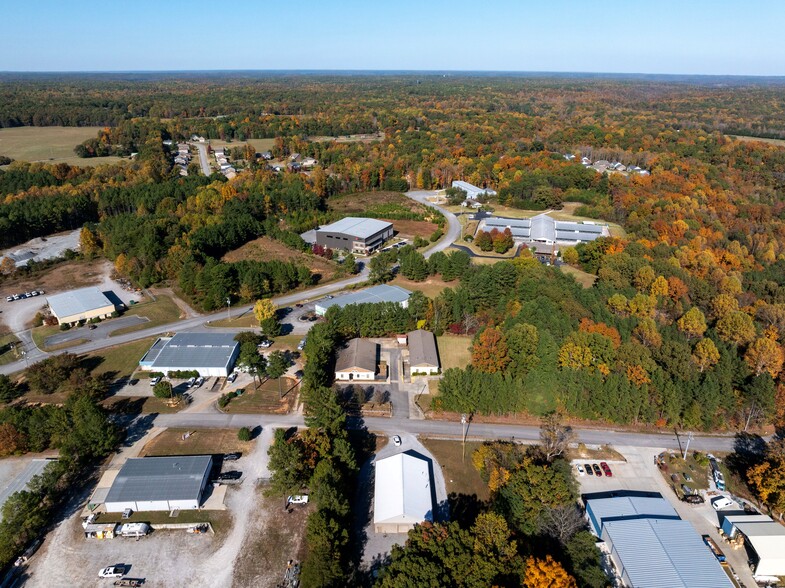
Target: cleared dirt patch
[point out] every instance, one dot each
(266, 399)
(65, 276)
(363, 202)
(267, 249)
(748, 139)
(411, 228)
(431, 287)
(278, 536)
(201, 442)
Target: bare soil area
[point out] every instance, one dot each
(267, 249)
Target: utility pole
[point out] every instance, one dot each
(228, 308)
(687, 445)
(464, 421)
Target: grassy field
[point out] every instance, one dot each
(431, 287)
(49, 144)
(201, 442)
(267, 249)
(238, 321)
(9, 353)
(460, 474)
(135, 405)
(390, 206)
(454, 351)
(119, 361)
(221, 521)
(585, 279)
(747, 139)
(160, 312)
(265, 400)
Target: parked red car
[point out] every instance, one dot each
(606, 469)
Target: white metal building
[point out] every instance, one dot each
(210, 354)
(159, 483)
(472, 191)
(374, 294)
(650, 546)
(80, 305)
(402, 497)
(766, 541)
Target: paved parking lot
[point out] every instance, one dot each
(640, 473)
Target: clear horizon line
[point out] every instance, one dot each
(388, 71)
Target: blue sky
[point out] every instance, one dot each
(679, 37)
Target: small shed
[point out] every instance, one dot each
(100, 530)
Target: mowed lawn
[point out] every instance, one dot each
(261, 145)
(454, 351)
(49, 144)
(585, 279)
(160, 312)
(460, 475)
(119, 361)
(8, 350)
(199, 442)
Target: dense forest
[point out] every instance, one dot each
(685, 321)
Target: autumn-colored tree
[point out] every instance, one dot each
(659, 287)
(736, 327)
(121, 265)
(705, 354)
(484, 241)
(722, 305)
(570, 255)
(647, 333)
(641, 305)
(589, 326)
(765, 355)
(618, 304)
(7, 265)
(767, 481)
(490, 352)
(574, 356)
(88, 242)
(692, 323)
(11, 440)
(677, 289)
(264, 309)
(547, 573)
(644, 278)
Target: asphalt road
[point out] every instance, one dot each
(202, 148)
(449, 430)
(453, 231)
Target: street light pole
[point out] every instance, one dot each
(228, 308)
(687, 446)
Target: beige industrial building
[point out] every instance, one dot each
(423, 355)
(357, 361)
(69, 308)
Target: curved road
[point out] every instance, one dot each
(389, 426)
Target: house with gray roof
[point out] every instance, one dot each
(356, 234)
(160, 483)
(423, 354)
(210, 354)
(357, 361)
(71, 307)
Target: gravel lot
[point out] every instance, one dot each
(165, 558)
